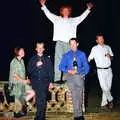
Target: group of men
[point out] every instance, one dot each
(69, 60)
(74, 65)
(73, 62)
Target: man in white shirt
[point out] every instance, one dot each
(64, 29)
(102, 55)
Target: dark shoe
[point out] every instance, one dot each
(105, 108)
(39, 118)
(20, 114)
(110, 105)
(79, 118)
(24, 109)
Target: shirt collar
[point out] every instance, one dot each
(18, 59)
(74, 52)
(101, 45)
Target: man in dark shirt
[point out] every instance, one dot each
(40, 70)
(75, 66)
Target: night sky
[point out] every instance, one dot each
(23, 23)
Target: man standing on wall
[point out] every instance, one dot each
(64, 28)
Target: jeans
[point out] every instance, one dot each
(60, 49)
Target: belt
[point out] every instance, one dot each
(103, 68)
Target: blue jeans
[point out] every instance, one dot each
(60, 49)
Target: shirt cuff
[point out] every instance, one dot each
(88, 10)
(43, 7)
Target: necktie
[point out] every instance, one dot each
(75, 64)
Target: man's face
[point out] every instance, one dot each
(65, 12)
(100, 40)
(40, 48)
(73, 45)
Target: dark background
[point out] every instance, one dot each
(23, 23)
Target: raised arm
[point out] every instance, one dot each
(52, 17)
(79, 19)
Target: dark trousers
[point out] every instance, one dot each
(41, 101)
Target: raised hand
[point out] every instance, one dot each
(90, 5)
(42, 2)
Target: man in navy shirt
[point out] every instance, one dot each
(40, 71)
(74, 65)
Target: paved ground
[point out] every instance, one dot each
(68, 116)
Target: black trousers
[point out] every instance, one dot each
(41, 101)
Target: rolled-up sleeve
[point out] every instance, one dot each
(91, 56)
(110, 51)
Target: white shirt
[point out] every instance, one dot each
(64, 28)
(98, 54)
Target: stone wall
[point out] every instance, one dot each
(59, 100)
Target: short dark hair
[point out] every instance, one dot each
(40, 42)
(75, 39)
(99, 35)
